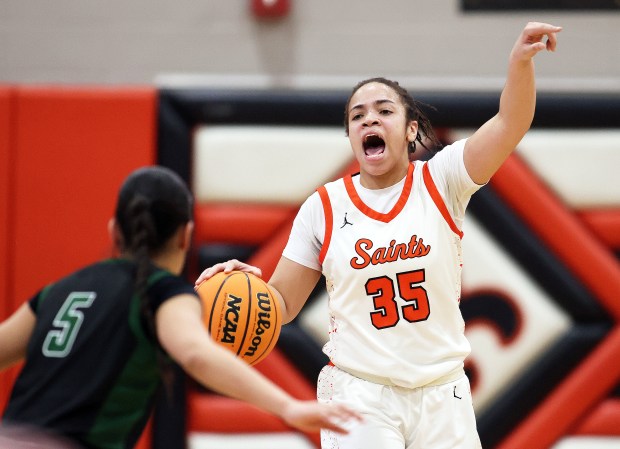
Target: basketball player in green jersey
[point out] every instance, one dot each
(97, 343)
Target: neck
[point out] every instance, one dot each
(376, 182)
(170, 262)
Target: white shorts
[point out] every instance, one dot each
(433, 417)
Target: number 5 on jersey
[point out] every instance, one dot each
(58, 342)
(387, 312)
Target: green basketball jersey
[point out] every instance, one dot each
(91, 370)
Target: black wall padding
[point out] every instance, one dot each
(181, 110)
(534, 257)
(302, 350)
(531, 387)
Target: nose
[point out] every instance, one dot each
(371, 119)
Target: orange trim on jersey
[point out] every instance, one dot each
(329, 221)
(438, 200)
(386, 218)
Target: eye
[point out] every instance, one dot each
(386, 111)
(356, 117)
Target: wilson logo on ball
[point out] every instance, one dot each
(242, 314)
(263, 324)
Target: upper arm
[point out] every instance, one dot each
(15, 333)
(488, 148)
(179, 326)
(294, 283)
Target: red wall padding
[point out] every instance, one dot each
(602, 421)
(245, 223)
(5, 172)
(605, 223)
(208, 412)
(63, 153)
(6, 154)
(73, 149)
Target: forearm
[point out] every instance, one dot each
(218, 369)
(489, 146)
(15, 334)
(517, 101)
(293, 283)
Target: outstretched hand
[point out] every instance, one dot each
(310, 416)
(227, 267)
(532, 40)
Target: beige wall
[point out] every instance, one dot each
(428, 44)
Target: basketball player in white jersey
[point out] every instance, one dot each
(388, 241)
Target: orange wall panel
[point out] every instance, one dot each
(74, 146)
(6, 159)
(5, 191)
(63, 153)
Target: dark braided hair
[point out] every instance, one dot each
(413, 112)
(152, 204)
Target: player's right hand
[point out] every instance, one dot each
(227, 267)
(532, 40)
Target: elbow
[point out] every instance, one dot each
(192, 359)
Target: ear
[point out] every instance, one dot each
(185, 236)
(412, 130)
(116, 237)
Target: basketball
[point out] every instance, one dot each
(241, 313)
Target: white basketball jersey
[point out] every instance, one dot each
(394, 282)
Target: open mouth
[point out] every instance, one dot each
(373, 145)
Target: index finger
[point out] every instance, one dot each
(209, 273)
(552, 41)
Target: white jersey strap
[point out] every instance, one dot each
(438, 200)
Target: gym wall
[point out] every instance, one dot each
(206, 73)
(63, 153)
(540, 270)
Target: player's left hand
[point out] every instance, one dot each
(310, 416)
(532, 40)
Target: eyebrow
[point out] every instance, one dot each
(376, 103)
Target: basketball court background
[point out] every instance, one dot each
(251, 117)
(540, 270)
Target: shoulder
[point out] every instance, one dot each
(164, 283)
(448, 165)
(105, 271)
(164, 286)
(450, 155)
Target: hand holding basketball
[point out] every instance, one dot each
(227, 267)
(241, 313)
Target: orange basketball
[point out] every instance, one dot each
(242, 314)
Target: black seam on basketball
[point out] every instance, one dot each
(214, 303)
(276, 323)
(247, 325)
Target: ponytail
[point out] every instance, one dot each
(153, 203)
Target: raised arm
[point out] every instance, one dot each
(489, 146)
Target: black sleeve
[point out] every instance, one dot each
(36, 300)
(167, 287)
